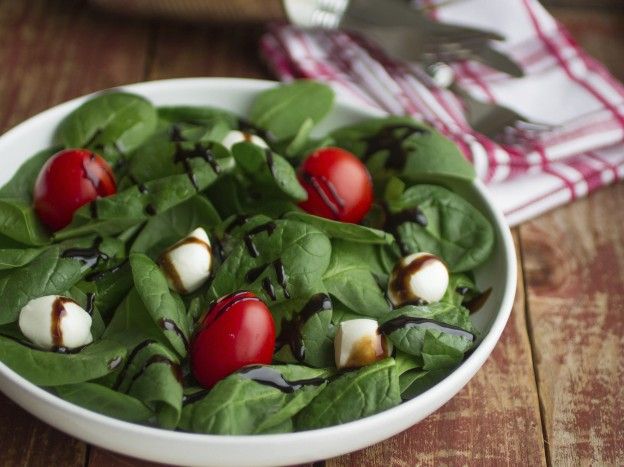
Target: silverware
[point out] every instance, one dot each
(409, 34)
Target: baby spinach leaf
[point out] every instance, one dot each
(302, 250)
(19, 222)
(268, 170)
(165, 229)
(283, 110)
(317, 334)
(461, 287)
(239, 405)
(22, 183)
(11, 258)
(349, 279)
(151, 372)
(438, 354)
(197, 115)
(98, 398)
(48, 274)
(415, 382)
(401, 146)
(119, 212)
(117, 120)
(342, 230)
(52, 369)
(160, 156)
(164, 309)
(456, 231)
(412, 338)
(354, 395)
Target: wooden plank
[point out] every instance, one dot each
(52, 51)
(184, 50)
(494, 420)
(28, 442)
(102, 458)
(574, 264)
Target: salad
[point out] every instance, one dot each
(187, 268)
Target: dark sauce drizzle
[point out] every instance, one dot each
(98, 275)
(194, 397)
(140, 185)
(291, 329)
(401, 276)
(91, 256)
(150, 210)
(394, 221)
(271, 377)
(387, 139)
(237, 222)
(185, 155)
(406, 322)
(234, 298)
(326, 191)
(90, 303)
(154, 359)
(268, 288)
(280, 273)
(268, 227)
(131, 356)
(170, 325)
(476, 303)
(93, 209)
(270, 161)
(245, 126)
(58, 312)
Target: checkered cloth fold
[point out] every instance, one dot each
(528, 172)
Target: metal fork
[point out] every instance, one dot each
(496, 121)
(409, 34)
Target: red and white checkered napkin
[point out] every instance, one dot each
(529, 172)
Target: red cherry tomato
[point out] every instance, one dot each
(238, 330)
(68, 180)
(338, 184)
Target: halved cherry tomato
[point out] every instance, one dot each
(238, 330)
(70, 179)
(338, 184)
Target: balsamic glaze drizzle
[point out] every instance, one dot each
(291, 329)
(245, 126)
(476, 303)
(140, 185)
(268, 288)
(170, 325)
(402, 275)
(90, 303)
(406, 322)
(271, 377)
(131, 356)
(268, 227)
(395, 220)
(388, 139)
(89, 256)
(280, 273)
(326, 190)
(270, 161)
(97, 275)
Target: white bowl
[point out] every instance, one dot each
(196, 449)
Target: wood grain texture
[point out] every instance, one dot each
(493, 421)
(26, 441)
(183, 50)
(53, 50)
(574, 265)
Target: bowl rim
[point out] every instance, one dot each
(450, 384)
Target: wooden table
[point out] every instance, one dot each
(551, 393)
